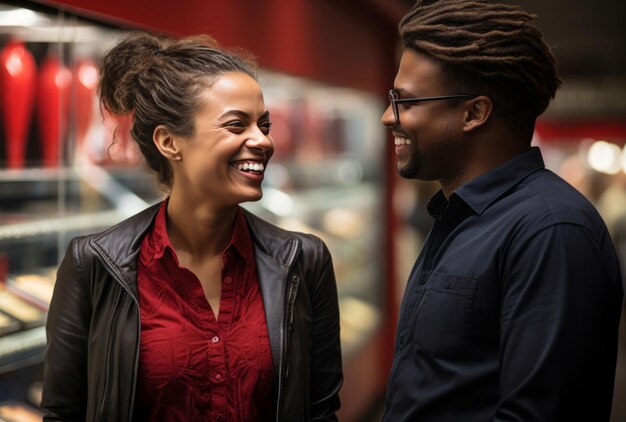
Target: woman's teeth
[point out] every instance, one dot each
(402, 141)
(250, 166)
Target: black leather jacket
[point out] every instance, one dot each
(93, 324)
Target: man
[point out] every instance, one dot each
(512, 308)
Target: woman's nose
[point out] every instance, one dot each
(259, 140)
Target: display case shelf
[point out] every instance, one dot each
(111, 187)
(21, 349)
(36, 174)
(74, 223)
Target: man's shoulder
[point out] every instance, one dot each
(556, 193)
(544, 196)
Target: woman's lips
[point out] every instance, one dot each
(251, 169)
(249, 166)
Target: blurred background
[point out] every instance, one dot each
(326, 67)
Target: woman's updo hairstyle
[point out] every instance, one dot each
(158, 81)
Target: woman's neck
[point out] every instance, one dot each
(200, 229)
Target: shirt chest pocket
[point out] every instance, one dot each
(443, 321)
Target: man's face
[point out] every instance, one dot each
(428, 135)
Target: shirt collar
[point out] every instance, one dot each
(482, 191)
(160, 239)
(240, 241)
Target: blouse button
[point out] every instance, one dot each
(215, 339)
(228, 280)
(217, 377)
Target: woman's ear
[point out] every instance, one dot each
(166, 143)
(477, 112)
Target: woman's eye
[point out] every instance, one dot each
(265, 127)
(236, 125)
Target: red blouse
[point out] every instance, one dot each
(193, 367)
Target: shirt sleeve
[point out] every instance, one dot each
(67, 330)
(560, 304)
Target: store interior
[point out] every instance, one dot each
(67, 168)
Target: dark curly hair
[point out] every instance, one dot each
(487, 49)
(158, 80)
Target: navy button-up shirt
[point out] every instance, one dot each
(512, 308)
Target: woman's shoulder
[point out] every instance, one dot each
(269, 233)
(113, 237)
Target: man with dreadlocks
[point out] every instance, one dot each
(512, 308)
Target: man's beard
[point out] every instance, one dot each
(410, 168)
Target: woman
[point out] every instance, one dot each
(194, 309)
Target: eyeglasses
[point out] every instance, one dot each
(394, 100)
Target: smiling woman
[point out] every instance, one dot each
(232, 127)
(193, 309)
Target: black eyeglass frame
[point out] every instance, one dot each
(394, 100)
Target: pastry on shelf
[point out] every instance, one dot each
(13, 305)
(33, 287)
(15, 411)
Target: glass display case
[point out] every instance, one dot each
(62, 175)
(326, 178)
(68, 169)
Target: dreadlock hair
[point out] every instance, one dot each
(158, 81)
(487, 49)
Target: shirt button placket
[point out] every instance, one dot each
(216, 377)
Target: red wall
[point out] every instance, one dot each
(337, 41)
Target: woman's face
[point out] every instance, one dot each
(225, 159)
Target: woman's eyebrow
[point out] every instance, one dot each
(244, 114)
